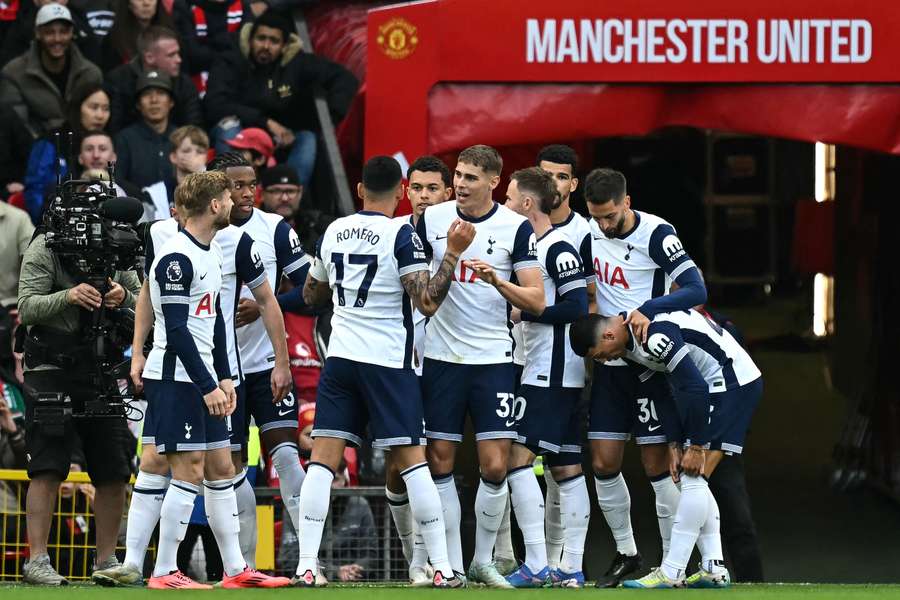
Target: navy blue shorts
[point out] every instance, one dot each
(485, 392)
(267, 414)
(353, 394)
(237, 420)
(731, 414)
(546, 423)
(177, 419)
(622, 405)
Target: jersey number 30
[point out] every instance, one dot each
(371, 263)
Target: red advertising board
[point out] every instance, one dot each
(416, 46)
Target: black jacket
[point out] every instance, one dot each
(199, 51)
(20, 34)
(15, 144)
(120, 84)
(283, 91)
(143, 154)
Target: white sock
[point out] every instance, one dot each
(446, 487)
(615, 502)
(403, 522)
(222, 514)
(553, 522)
(575, 508)
(667, 496)
(143, 515)
(503, 547)
(314, 499)
(427, 513)
(173, 522)
(490, 500)
(690, 517)
(709, 542)
(528, 502)
(286, 459)
(246, 503)
(419, 558)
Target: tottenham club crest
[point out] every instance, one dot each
(173, 271)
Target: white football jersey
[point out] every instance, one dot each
(673, 337)
(472, 324)
(281, 253)
(577, 231)
(184, 272)
(549, 358)
(241, 264)
(638, 266)
(363, 257)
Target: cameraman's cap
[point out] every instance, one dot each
(279, 175)
(52, 12)
(153, 79)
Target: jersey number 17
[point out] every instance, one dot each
(371, 263)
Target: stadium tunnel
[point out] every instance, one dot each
(778, 179)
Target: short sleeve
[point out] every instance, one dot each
(665, 344)
(422, 232)
(564, 267)
(174, 273)
(248, 262)
(149, 250)
(667, 251)
(524, 253)
(318, 270)
(409, 251)
(288, 250)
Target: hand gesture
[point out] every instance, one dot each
(693, 461)
(247, 312)
(227, 386)
(639, 325)
(216, 402)
(459, 236)
(85, 296)
(138, 360)
(115, 296)
(281, 382)
(483, 270)
(675, 462)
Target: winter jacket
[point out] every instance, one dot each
(27, 88)
(15, 140)
(144, 154)
(282, 91)
(20, 33)
(120, 84)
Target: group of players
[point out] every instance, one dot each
(466, 307)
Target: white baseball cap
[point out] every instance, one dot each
(52, 12)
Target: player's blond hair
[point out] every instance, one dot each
(195, 192)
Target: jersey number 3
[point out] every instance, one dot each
(371, 263)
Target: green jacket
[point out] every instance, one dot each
(43, 284)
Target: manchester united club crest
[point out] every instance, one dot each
(397, 38)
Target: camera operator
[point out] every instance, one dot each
(55, 307)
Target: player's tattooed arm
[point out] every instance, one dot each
(315, 292)
(427, 292)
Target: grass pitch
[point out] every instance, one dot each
(737, 592)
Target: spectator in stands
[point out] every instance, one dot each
(88, 111)
(15, 235)
(257, 147)
(269, 83)
(143, 148)
(39, 84)
(282, 194)
(87, 28)
(190, 146)
(158, 49)
(211, 30)
(96, 152)
(132, 18)
(15, 141)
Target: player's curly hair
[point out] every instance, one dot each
(227, 159)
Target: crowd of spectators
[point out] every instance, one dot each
(125, 77)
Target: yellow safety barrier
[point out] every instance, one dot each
(71, 543)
